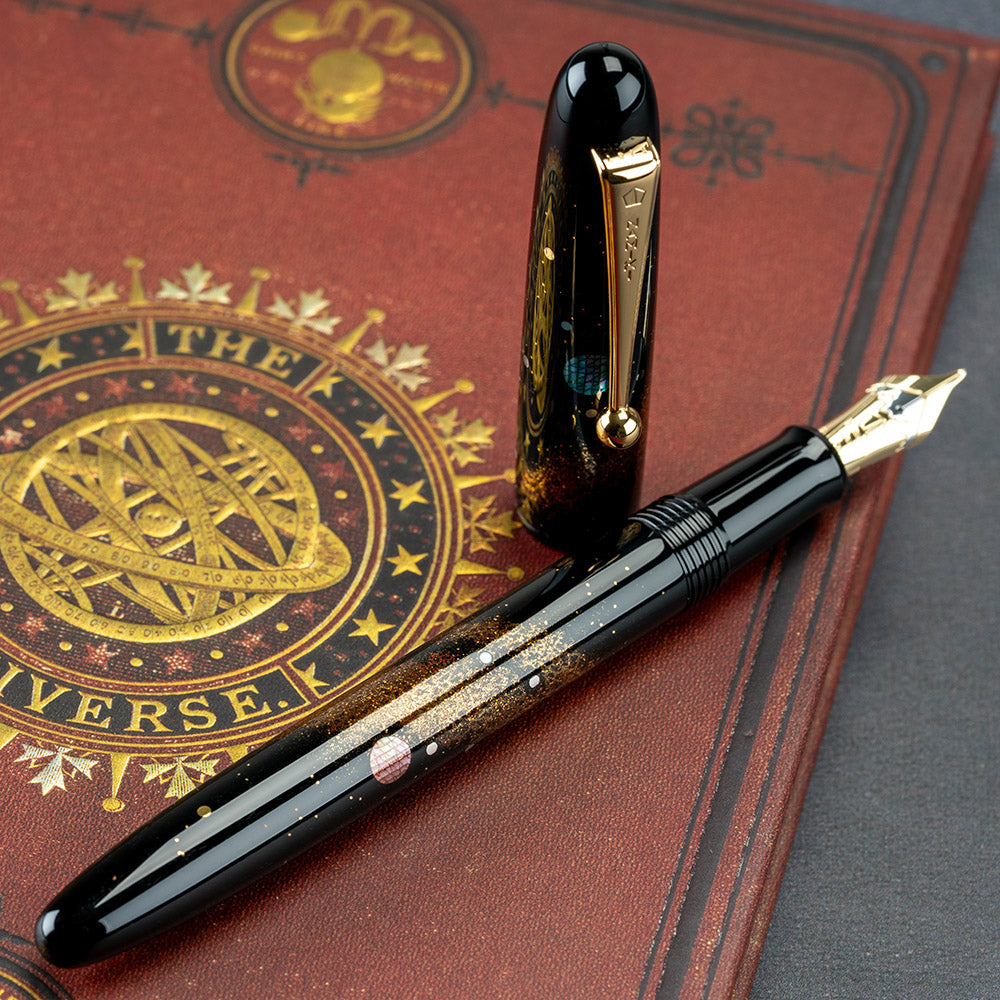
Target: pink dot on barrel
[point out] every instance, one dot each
(389, 758)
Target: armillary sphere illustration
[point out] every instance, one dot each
(215, 515)
(182, 532)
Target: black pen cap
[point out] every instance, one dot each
(590, 301)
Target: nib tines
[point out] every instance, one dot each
(897, 412)
(918, 399)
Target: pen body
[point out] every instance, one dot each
(370, 743)
(379, 737)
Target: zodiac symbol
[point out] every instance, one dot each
(161, 521)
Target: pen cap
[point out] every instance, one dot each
(590, 301)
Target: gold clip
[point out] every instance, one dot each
(630, 185)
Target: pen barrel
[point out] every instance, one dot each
(378, 738)
(761, 497)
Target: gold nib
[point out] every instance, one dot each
(897, 412)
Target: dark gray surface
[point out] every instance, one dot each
(892, 888)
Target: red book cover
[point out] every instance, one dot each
(261, 285)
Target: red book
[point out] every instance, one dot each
(261, 286)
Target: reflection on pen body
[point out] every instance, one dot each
(380, 737)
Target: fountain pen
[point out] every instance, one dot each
(435, 703)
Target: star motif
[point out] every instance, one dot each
(55, 406)
(10, 438)
(116, 388)
(33, 624)
(245, 401)
(308, 608)
(182, 386)
(370, 627)
(408, 494)
(406, 562)
(250, 641)
(377, 430)
(326, 383)
(314, 683)
(133, 339)
(51, 356)
(299, 431)
(100, 654)
(178, 660)
(332, 470)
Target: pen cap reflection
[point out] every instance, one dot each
(590, 301)
(605, 86)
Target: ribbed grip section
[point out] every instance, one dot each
(688, 527)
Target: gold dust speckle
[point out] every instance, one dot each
(282, 626)
(213, 390)
(136, 661)
(147, 383)
(65, 646)
(28, 422)
(6, 606)
(271, 412)
(82, 397)
(216, 654)
(204, 811)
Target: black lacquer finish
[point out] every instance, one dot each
(572, 488)
(760, 498)
(380, 737)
